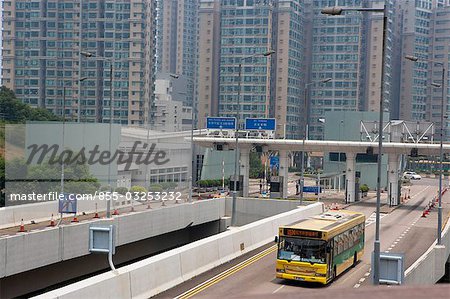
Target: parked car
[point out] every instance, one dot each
(411, 175)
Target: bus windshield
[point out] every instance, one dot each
(302, 250)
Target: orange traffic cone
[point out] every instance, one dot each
(116, 212)
(52, 221)
(22, 227)
(75, 219)
(424, 214)
(96, 212)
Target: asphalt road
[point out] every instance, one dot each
(403, 230)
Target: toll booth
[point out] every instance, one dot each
(238, 185)
(276, 187)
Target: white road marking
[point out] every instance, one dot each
(356, 286)
(278, 289)
(362, 280)
(367, 274)
(372, 218)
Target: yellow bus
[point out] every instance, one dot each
(319, 248)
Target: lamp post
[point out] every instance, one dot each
(376, 245)
(306, 134)
(236, 156)
(111, 115)
(441, 150)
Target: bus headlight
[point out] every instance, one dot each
(321, 275)
(280, 270)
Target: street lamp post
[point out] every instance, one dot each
(193, 113)
(441, 150)
(376, 244)
(306, 133)
(236, 156)
(111, 114)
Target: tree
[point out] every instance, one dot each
(256, 167)
(12, 110)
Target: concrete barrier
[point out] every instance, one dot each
(254, 209)
(2, 257)
(430, 267)
(161, 272)
(27, 251)
(41, 211)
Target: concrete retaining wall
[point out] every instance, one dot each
(23, 252)
(12, 215)
(430, 267)
(254, 209)
(161, 272)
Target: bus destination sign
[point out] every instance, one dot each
(302, 233)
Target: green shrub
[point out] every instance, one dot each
(138, 189)
(104, 188)
(212, 183)
(155, 188)
(121, 190)
(364, 188)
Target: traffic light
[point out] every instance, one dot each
(369, 150)
(414, 152)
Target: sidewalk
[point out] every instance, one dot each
(333, 199)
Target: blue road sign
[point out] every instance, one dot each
(274, 161)
(311, 189)
(267, 124)
(68, 204)
(224, 123)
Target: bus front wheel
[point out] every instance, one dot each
(355, 260)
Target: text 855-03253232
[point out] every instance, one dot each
(153, 195)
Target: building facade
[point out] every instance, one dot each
(177, 41)
(440, 51)
(271, 86)
(337, 43)
(416, 41)
(171, 114)
(42, 62)
(208, 61)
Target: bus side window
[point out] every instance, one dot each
(335, 246)
(341, 243)
(355, 234)
(346, 240)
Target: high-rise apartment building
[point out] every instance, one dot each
(372, 53)
(416, 41)
(288, 77)
(41, 57)
(271, 86)
(440, 52)
(337, 53)
(246, 29)
(177, 41)
(208, 61)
